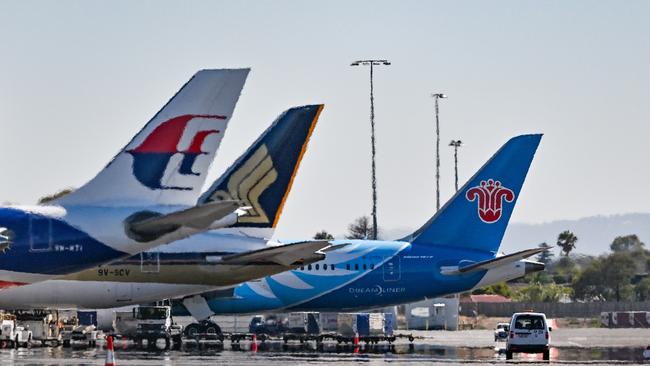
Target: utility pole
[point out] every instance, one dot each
(456, 144)
(372, 63)
(437, 96)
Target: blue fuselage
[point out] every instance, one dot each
(359, 276)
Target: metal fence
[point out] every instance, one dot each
(551, 309)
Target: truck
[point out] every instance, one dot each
(149, 323)
(13, 335)
(42, 325)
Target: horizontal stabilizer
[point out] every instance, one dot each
(492, 263)
(198, 217)
(285, 255)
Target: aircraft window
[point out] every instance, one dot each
(372, 266)
(347, 266)
(317, 266)
(324, 267)
(302, 268)
(309, 267)
(332, 267)
(356, 266)
(364, 267)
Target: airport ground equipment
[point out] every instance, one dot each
(43, 326)
(501, 331)
(149, 323)
(13, 335)
(270, 325)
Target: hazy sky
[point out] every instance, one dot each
(78, 79)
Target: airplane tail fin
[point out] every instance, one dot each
(262, 177)
(168, 160)
(476, 217)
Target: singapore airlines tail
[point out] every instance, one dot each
(262, 177)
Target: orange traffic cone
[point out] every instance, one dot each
(355, 342)
(110, 352)
(254, 343)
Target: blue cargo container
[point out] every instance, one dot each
(389, 323)
(87, 317)
(363, 324)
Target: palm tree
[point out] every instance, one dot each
(567, 241)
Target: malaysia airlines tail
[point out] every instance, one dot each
(167, 161)
(262, 177)
(477, 215)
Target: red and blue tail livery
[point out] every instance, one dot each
(167, 162)
(146, 196)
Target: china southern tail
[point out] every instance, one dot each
(455, 251)
(144, 197)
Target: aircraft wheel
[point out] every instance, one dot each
(546, 355)
(508, 355)
(192, 330)
(212, 328)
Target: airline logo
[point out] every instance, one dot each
(490, 195)
(6, 237)
(151, 157)
(248, 183)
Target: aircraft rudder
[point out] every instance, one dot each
(263, 176)
(167, 161)
(476, 217)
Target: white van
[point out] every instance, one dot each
(529, 333)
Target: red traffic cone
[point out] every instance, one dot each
(254, 343)
(110, 352)
(355, 340)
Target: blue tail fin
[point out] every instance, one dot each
(478, 214)
(263, 175)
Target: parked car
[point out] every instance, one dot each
(501, 332)
(529, 333)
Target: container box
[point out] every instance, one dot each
(304, 323)
(328, 322)
(389, 323)
(376, 324)
(346, 324)
(87, 317)
(363, 324)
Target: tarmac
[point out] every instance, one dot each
(592, 346)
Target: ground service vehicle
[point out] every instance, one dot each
(529, 333)
(149, 323)
(13, 335)
(501, 331)
(42, 325)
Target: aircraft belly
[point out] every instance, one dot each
(188, 274)
(91, 294)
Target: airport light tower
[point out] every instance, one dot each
(437, 96)
(372, 63)
(456, 144)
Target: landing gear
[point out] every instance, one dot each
(207, 328)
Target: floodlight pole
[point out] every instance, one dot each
(372, 63)
(456, 144)
(437, 96)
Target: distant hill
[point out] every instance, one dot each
(594, 233)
